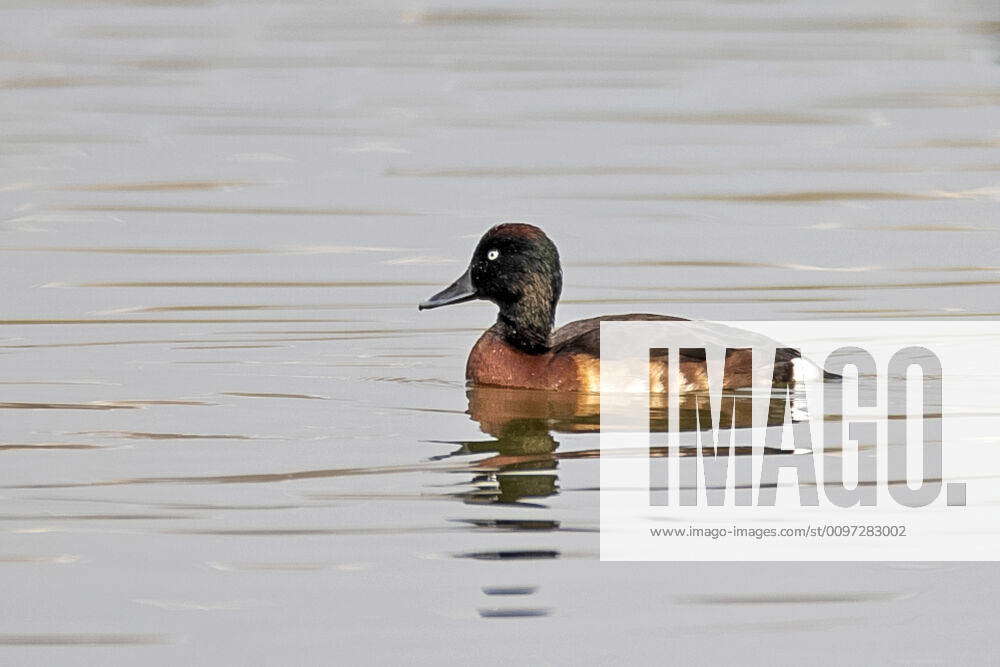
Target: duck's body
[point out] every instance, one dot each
(517, 267)
(573, 362)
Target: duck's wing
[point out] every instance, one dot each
(584, 337)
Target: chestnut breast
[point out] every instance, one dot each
(494, 361)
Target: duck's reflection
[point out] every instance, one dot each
(520, 462)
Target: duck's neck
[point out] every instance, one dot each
(527, 324)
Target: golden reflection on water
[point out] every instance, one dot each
(523, 455)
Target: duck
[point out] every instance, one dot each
(516, 267)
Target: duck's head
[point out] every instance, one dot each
(516, 266)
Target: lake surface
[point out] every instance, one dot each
(227, 434)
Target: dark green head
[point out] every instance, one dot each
(516, 267)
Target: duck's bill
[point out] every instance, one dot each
(459, 291)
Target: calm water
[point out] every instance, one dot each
(229, 436)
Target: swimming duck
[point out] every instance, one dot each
(516, 266)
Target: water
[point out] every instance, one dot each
(228, 434)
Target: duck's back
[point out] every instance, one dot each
(584, 336)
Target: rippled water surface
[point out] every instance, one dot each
(229, 436)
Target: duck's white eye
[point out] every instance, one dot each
(492, 254)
